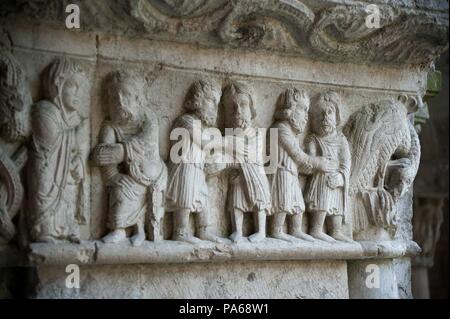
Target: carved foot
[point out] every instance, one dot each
(323, 236)
(75, 238)
(257, 237)
(137, 239)
(47, 239)
(214, 238)
(341, 237)
(283, 236)
(303, 236)
(236, 238)
(188, 239)
(115, 236)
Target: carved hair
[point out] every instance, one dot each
(59, 71)
(115, 79)
(235, 88)
(326, 99)
(197, 91)
(286, 103)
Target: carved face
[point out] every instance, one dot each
(241, 108)
(325, 120)
(299, 118)
(124, 103)
(72, 93)
(207, 108)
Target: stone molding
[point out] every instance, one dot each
(329, 30)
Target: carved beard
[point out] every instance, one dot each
(240, 122)
(125, 117)
(296, 126)
(326, 128)
(208, 120)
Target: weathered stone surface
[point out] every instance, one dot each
(109, 190)
(268, 279)
(327, 30)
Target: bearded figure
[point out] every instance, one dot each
(291, 117)
(187, 191)
(327, 192)
(249, 190)
(128, 154)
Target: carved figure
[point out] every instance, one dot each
(56, 166)
(249, 189)
(327, 192)
(187, 191)
(291, 117)
(128, 154)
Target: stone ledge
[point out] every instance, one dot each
(98, 253)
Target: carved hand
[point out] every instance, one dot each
(335, 180)
(327, 165)
(109, 154)
(214, 168)
(77, 171)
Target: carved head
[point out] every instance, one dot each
(326, 114)
(65, 84)
(125, 96)
(293, 106)
(15, 99)
(203, 99)
(412, 103)
(239, 102)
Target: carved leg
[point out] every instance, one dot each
(115, 236)
(204, 230)
(139, 237)
(335, 226)
(238, 220)
(260, 223)
(181, 227)
(296, 228)
(156, 222)
(317, 222)
(276, 231)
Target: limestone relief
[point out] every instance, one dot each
(365, 169)
(128, 155)
(56, 169)
(15, 102)
(385, 155)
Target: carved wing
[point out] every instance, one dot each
(374, 133)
